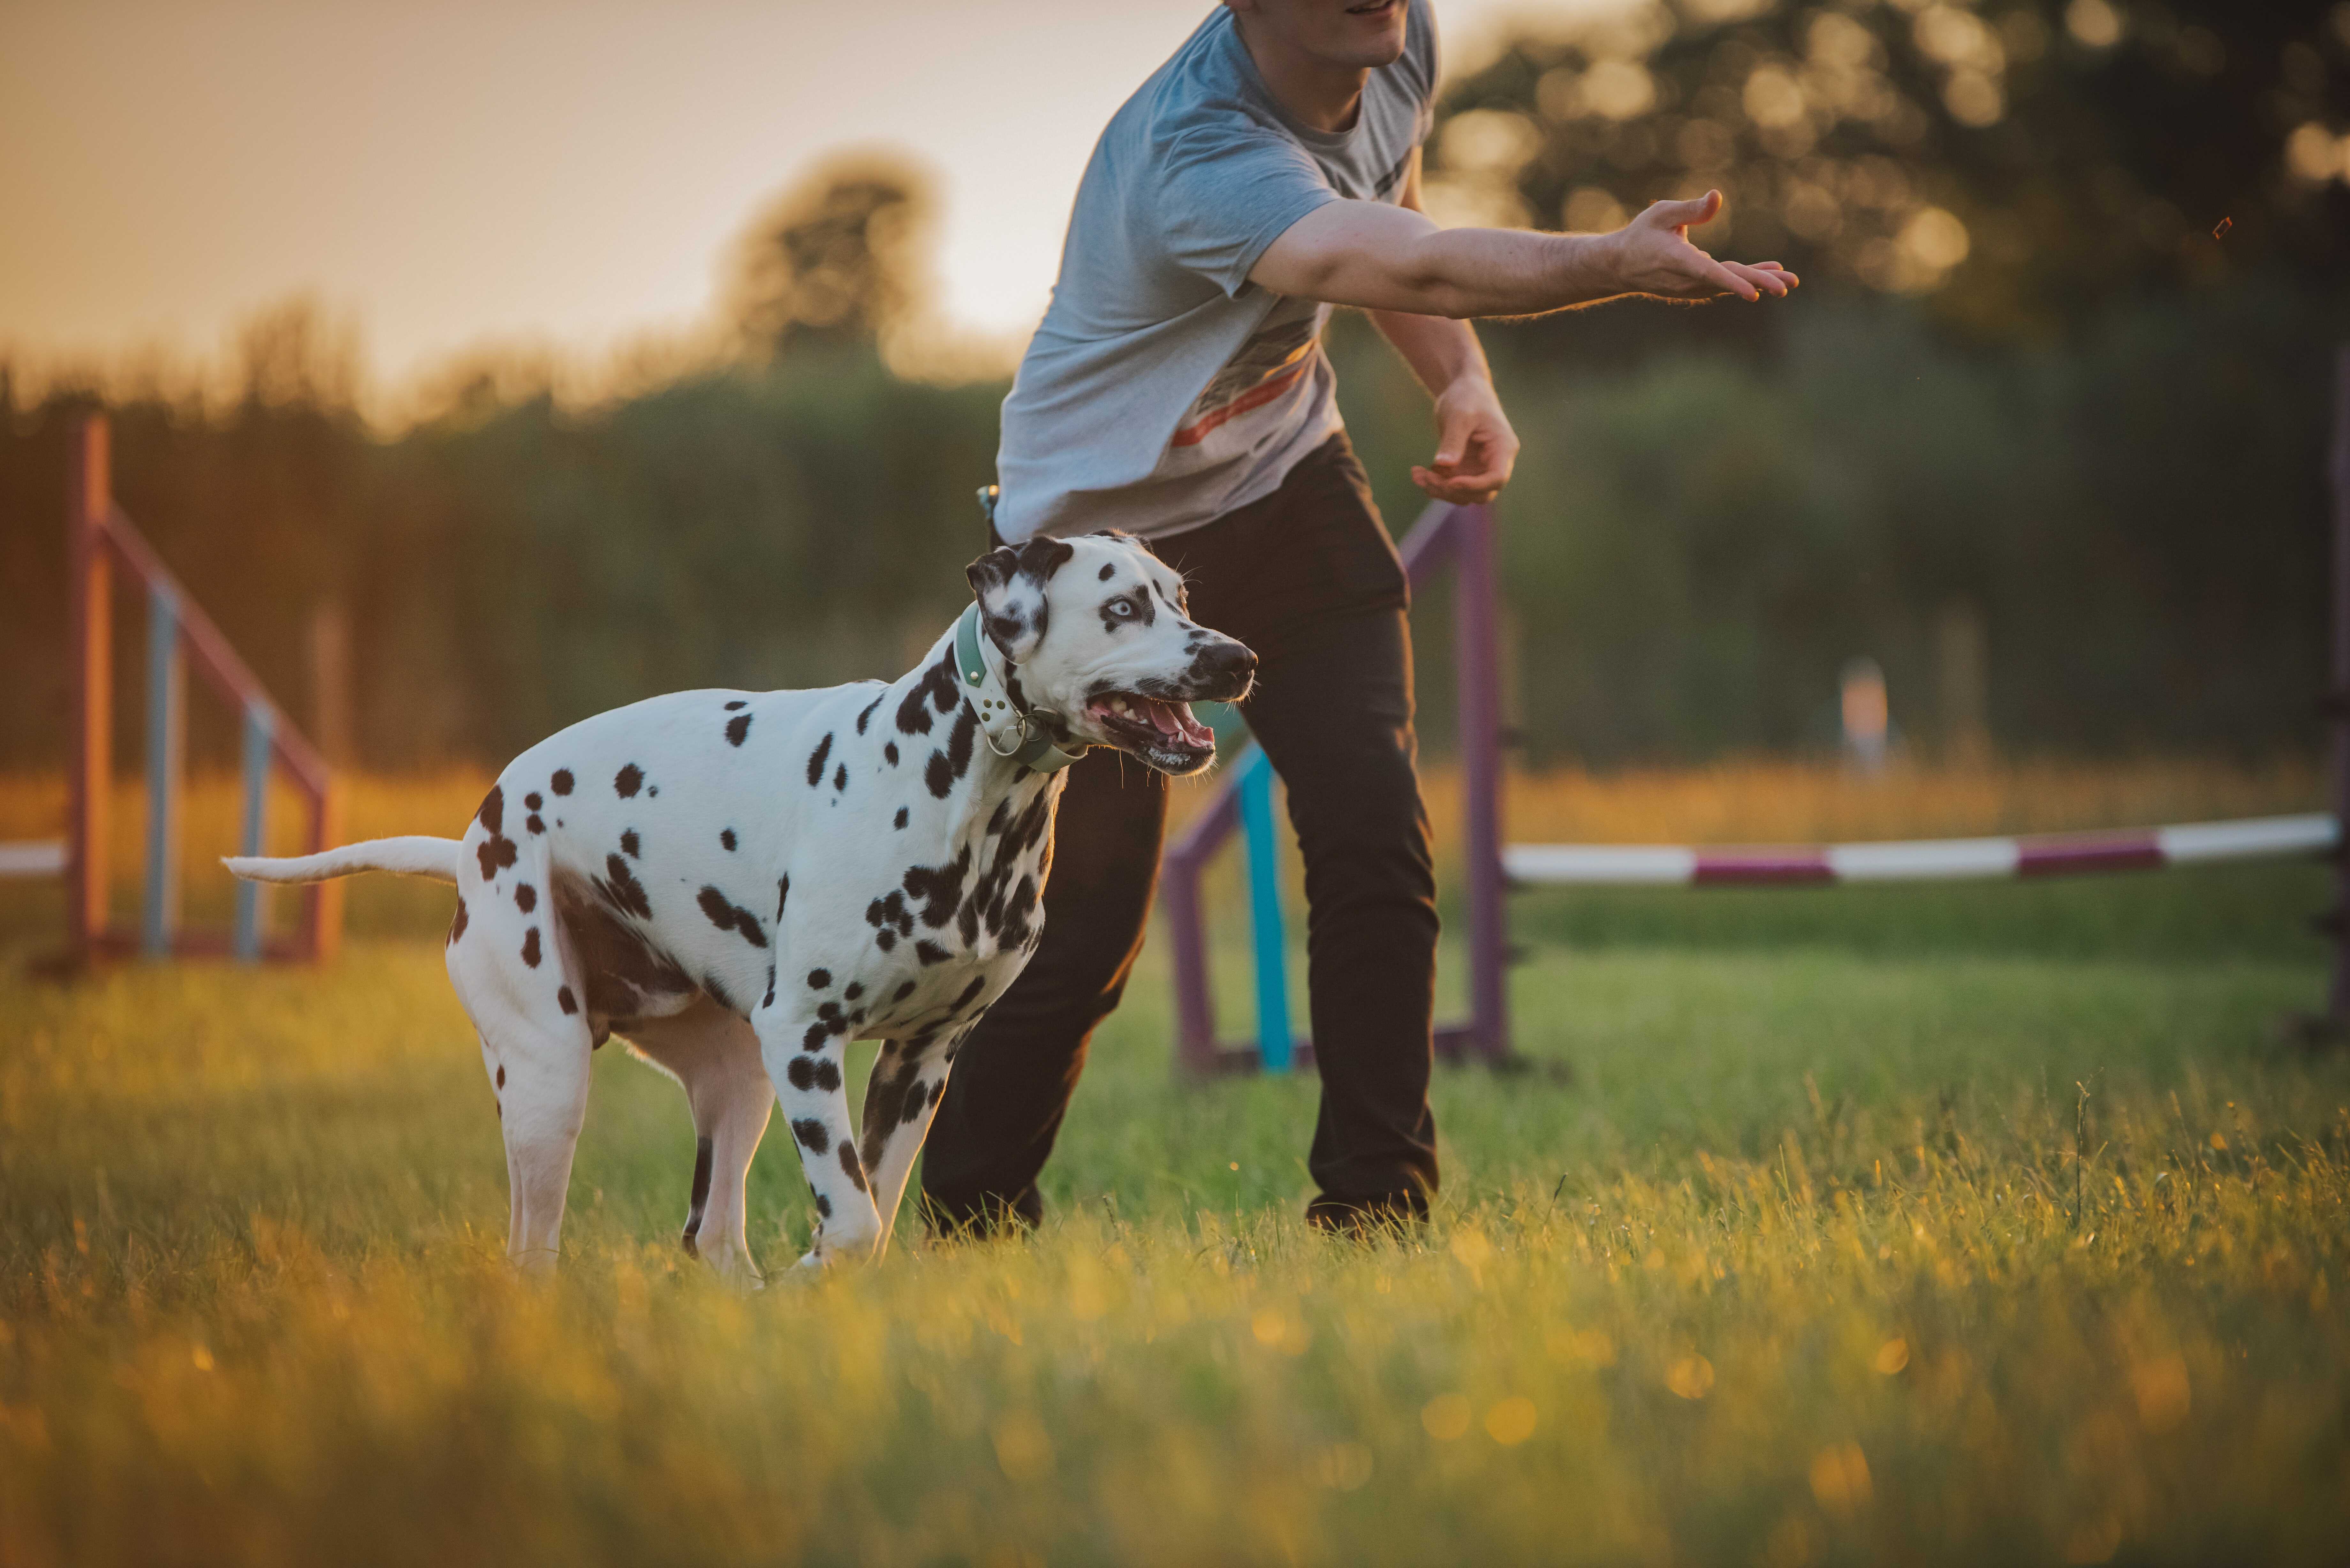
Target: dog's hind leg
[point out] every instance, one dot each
(909, 1078)
(511, 975)
(715, 1054)
(541, 1078)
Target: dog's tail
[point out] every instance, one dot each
(410, 856)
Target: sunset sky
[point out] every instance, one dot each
(569, 175)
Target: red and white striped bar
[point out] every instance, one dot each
(1918, 860)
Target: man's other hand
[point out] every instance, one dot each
(1654, 255)
(1475, 447)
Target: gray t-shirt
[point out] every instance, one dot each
(1162, 389)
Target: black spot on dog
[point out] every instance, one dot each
(565, 999)
(536, 823)
(782, 895)
(971, 993)
(526, 896)
(1108, 571)
(902, 819)
(530, 947)
(621, 889)
(886, 940)
(828, 1075)
(830, 1013)
(890, 912)
(889, 752)
(726, 917)
(769, 999)
(939, 887)
(628, 781)
(502, 1077)
(736, 704)
(700, 1191)
(457, 924)
(653, 793)
(841, 778)
(824, 1204)
(818, 979)
(903, 992)
(632, 844)
(1017, 922)
(497, 850)
(811, 1134)
(802, 1072)
(816, 759)
(818, 1033)
(532, 801)
(726, 837)
(850, 1166)
(736, 728)
(955, 762)
(854, 992)
(916, 1104)
(936, 689)
(561, 783)
(930, 952)
(868, 711)
(495, 854)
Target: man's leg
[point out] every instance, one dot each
(1335, 715)
(1013, 1075)
(1308, 579)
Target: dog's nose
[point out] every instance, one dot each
(1226, 668)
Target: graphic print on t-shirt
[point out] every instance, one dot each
(1267, 365)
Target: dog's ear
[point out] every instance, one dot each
(1009, 582)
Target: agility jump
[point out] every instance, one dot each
(1465, 535)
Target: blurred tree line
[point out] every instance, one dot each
(2028, 412)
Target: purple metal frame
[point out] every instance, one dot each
(2337, 1000)
(1463, 537)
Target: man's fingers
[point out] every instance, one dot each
(1458, 492)
(1729, 282)
(1763, 278)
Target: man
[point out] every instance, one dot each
(1176, 389)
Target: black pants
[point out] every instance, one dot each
(1307, 578)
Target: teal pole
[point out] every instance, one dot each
(1254, 784)
(259, 729)
(166, 731)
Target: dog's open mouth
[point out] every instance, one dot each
(1151, 725)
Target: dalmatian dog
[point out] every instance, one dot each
(739, 883)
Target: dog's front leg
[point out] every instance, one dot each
(908, 1080)
(802, 1052)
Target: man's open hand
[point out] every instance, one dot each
(1654, 254)
(1475, 447)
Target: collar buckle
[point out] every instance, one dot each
(1022, 740)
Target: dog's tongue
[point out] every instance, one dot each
(1175, 718)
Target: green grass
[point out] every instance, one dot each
(1815, 1252)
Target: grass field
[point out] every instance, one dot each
(1963, 1224)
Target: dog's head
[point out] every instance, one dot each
(1100, 649)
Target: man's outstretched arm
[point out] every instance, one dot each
(1380, 257)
